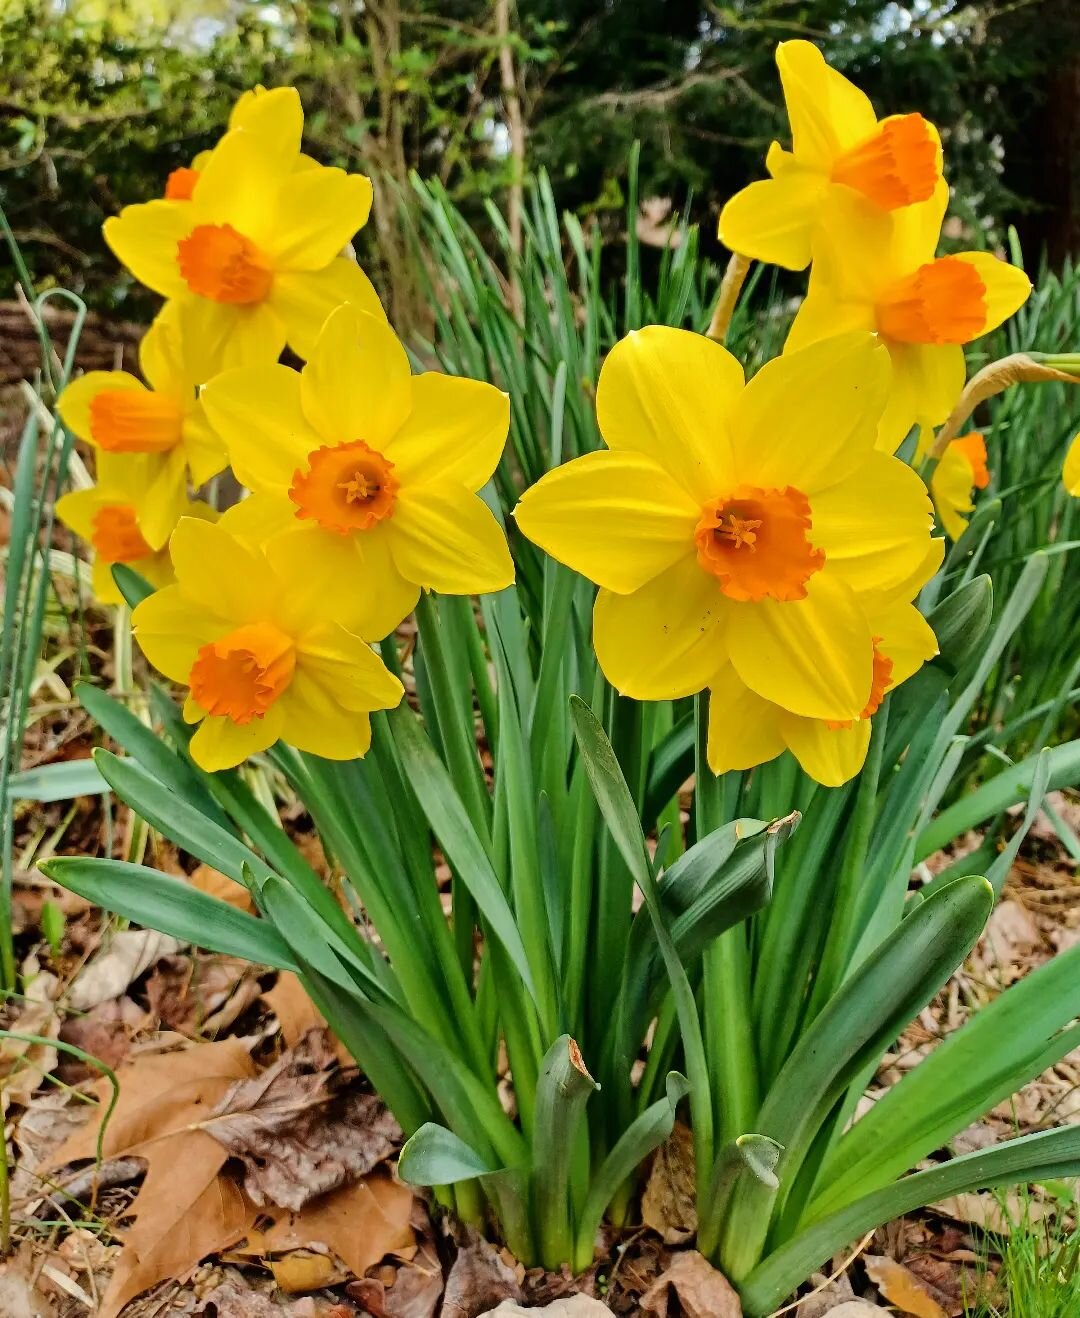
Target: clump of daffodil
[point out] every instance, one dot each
(158, 426)
(837, 142)
(1070, 472)
(745, 730)
(255, 252)
(110, 516)
(876, 270)
(371, 471)
(739, 522)
(960, 471)
(263, 656)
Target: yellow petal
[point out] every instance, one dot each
(456, 431)
(313, 722)
(906, 638)
(444, 538)
(774, 220)
(219, 743)
(953, 492)
(1070, 472)
(828, 113)
(304, 298)
(927, 380)
(203, 450)
(77, 509)
(356, 384)
(258, 415)
(258, 518)
(219, 574)
(813, 657)
(910, 586)
(74, 402)
(164, 498)
(103, 583)
(1007, 287)
(349, 669)
(875, 526)
(666, 639)
(171, 630)
(743, 728)
(831, 756)
(161, 355)
(241, 185)
(144, 238)
(275, 112)
(615, 517)
(232, 336)
(352, 579)
(318, 212)
(668, 393)
(840, 385)
(915, 231)
(183, 347)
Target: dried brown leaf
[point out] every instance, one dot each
(478, 1281)
(901, 1287)
(301, 1270)
(215, 884)
(23, 1064)
(668, 1203)
(195, 995)
(701, 1290)
(129, 954)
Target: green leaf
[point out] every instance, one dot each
(134, 587)
(436, 1156)
(961, 621)
(57, 782)
(562, 1090)
(160, 901)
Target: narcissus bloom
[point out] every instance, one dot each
(1070, 473)
(263, 656)
(256, 251)
(961, 470)
(837, 142)
(161, 421)
(732, 521)
(745, 730)
(371, 470)
(876, 270)
(110, 517)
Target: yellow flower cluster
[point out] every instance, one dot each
(363, 477)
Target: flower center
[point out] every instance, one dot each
(116, 536)
(346, 488)
(895, 167)
(181, 184)
(219, 263)
(757, 543)
(942, 302)
(879, 684)
(240, 676)
(134, 421)
(973, 447)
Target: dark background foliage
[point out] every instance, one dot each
(100, 100)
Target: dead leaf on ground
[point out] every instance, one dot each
(236, 1297)
(19, 1296)
(201, 994)
(304, 1270)
(569, 1306)
(215, 884)
(297, 1131)
(829, 1298)
(23, 1065)
(295, 1011)
(184, 1210)
(479, 1280)
(851, 1309)
(668, 1203)
(988, 1211)
(701, 1290)
(105, 1032)
(901, 1287)
(129, 954)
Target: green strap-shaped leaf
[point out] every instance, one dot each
(436, 1156)
(57, 782)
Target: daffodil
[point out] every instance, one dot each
(732, 521)
(961, 470)
(745, 730)
(1070, 472)
(263, 656)
(838, 142)
(256, 251)
(161, 421)
(371, 471)
(876, 270)
(110, 517)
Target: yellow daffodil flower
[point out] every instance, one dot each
(109, 516)
(732, 521)
(961, 470)
(374, 470)
(745, 730)
(837, 142)
(1070, 472)
(256, 252)
(162, 421)
(263, 656)
(876, 270)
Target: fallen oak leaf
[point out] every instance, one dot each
(701, 1290)
(297, 1131)
(130, 953)
(901, 1287)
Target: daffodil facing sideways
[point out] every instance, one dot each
(256, 250)
(1070, 472)
(745, 730)
(838, 142)
(876, 270)
(960, 472)
(263, 656)
(732, 521)
(110, 517)
(370, 471)
(159, 427)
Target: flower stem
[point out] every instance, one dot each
(730, 288)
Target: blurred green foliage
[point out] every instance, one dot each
(100, 99)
